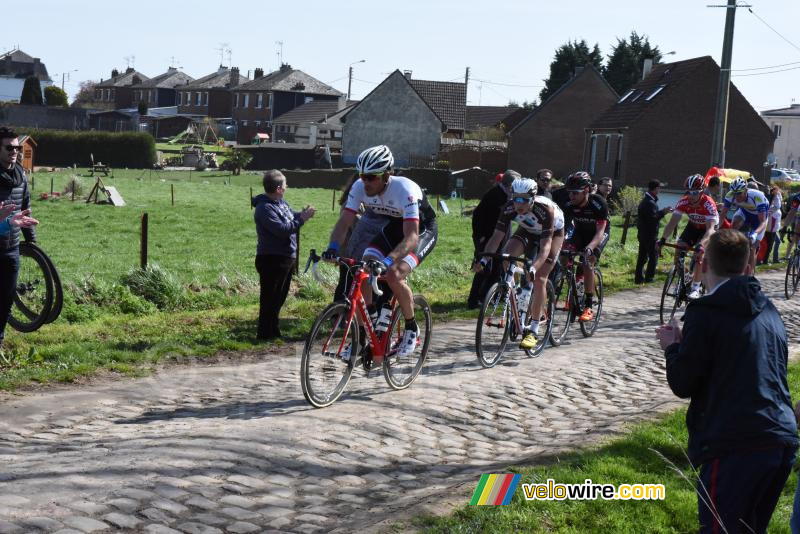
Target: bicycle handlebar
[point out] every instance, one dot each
(506, 257)
(372, 267)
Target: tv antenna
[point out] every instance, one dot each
(130, 61)
(279, 51)
(223, 47)
(174, 63)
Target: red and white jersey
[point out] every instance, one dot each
(698, 214)
(401, 199)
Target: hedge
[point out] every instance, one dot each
(64, 148)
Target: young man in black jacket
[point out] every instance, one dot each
(730, 359)
(647, 223)
(484, 219)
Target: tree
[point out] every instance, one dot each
(31, 92)
(55, 96)
(569, 56)
(236, 159)
(626, 62)
(530, 106)
(85, 95)
(142, 108)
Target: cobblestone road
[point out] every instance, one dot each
(235, 448)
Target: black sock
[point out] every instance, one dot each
(589, 300)
(411, 324)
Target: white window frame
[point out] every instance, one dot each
(236, 100)
(269, 100)
(205, 98)
(608, 148)
(260, 101)
(246, 101)
(655, 92)
(625, 96)
(198, 99)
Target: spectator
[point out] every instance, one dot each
(604, 187)
(543, 179)
(276, 225)
(774, 224)
(647, 224)
(730, 359)
(13, 190)
(484, 219)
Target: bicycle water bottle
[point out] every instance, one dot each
(523, 300)
(579, 287)
(383, 319)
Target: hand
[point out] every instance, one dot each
(670, 209)
(307, 213)
(480, 266)
(330, 254)
(753, 237)
(699, 249)
(588, 252)
(6, 209)
(23, 220)
(669, 333)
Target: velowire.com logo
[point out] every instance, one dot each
(495, 489)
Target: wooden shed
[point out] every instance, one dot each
(28, 151)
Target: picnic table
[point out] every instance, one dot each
(99, 167)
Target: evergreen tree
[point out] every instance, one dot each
(569, 56)
(142, 108)
(31, 92)
(626, 62)
(55, 96)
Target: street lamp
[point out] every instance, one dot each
(350, 76)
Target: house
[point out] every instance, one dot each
(501, 117)
(210, 96)
(552, 135)
(159, 91)
(662, 128)
(329, 128)
(410, 116)
(116, 92)
(15, 66)
(785, 126)
(113, 120)
(258, 103)
(305, 124)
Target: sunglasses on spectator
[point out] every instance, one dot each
(575, 191)
(370, 177)
(11, 148)
(521, 200)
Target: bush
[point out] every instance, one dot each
(55, 96)
(74, 185)
(63, 148)
(155, 285)
(627, 201)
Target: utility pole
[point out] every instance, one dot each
(723, 90)
(350, 76)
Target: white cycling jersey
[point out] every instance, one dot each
(400, 199)
(558, 215)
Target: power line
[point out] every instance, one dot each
(505, 84)
(765, 68)
(750, 9)
(763, 73)
(364, 81)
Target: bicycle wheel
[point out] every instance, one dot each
(400, 371)
(33, 299)
(792, 275)
(550, 306)
(588, 327)
(324, 373)
(563, 310)
(670, 295)
(58, 290)
(494, 326)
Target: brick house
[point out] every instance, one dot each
(409, 116)
(210, 96)
(258, 103)
(116, 92)
(662, 128)
(15, 66)
(159, 91)
(552, 135)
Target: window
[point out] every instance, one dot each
(151, 96)
(593, 154)
(655, 92)
(625, 96)
(260, 100)
(236, 100)
(776, 129)
(637, 96)
(308, 99)
(258, 124)
(269, 100)
(205, 98)
(198, 96)
(108, 94)
(246, 102)
(608, 147)
(244, 123)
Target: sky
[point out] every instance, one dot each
(507, 44)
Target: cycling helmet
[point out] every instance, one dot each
(375, 160)
(695, 182)
(738, 185)
(524, 187)
(578, 180)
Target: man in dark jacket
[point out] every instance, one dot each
(730, 359)
(484, 219)
(13, 189)
(649, 219)
(543, 179)
(276, 225)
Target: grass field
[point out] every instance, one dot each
(648, 454)
(206, 244)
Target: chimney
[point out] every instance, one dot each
(258, 73)
(234, 81)
(648, 66)
(578, 70)
(129, 70)
(407, 74)
(136, 80)
(285, 67)
(114, 73)
(172, 69)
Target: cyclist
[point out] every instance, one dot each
(403, 243)
(539, 234)
(751, 207)
(589, 214)
(703, 217)
(793, 222)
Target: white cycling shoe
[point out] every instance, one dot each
(409, 343)
(694, 294)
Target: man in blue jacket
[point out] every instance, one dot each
(276, 225)
(730, 359)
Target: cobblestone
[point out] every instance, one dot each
(234, 447)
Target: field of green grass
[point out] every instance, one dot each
(205, 244)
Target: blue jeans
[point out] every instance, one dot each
(9, 269)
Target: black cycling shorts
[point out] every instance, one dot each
(691, 235)
(580, 241)
(387, 239)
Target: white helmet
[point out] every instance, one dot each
(738, 185)
(375, 160)
(524, 187)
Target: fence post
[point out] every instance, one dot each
(333, 200)
(143, 243)
(172, 191)
(625, 227)
(51, 186)
(438, 199)
(297, 255)
(251, 198)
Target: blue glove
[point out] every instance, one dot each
(332, 251)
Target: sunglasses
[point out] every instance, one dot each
(371, 177)
(11, 148)
(575, 191)
(693, 193)
(520, 200)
